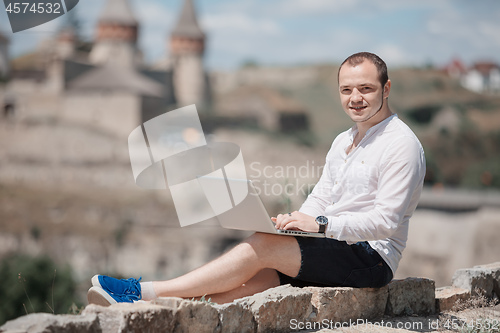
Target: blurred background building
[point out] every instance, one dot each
(99, 82)
(4, 56)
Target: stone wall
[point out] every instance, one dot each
(278, 309)
(116, 113)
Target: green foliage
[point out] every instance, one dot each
(305, 138)
(467, 158)
(34, 284)
(483, 174)
(122, 231)
(423, 114)
(433, 173)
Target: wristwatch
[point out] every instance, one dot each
(322, 221)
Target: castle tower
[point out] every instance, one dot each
(116, 36)
(187, 45)
(55, 54)
(4, 56)
(65, 43)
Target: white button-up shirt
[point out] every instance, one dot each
(371, 193)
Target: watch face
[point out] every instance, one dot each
(322, 220)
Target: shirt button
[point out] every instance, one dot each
(331, 236)
(333, 203)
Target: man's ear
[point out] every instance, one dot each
(387, 88)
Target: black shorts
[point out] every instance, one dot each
(331, 263)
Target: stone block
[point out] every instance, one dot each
(130, 318)
(411, 296)
(48, 323)
(169, 302)
(495, 275)
(275, 308)
(191, 316)
(233, 317)
(447, 297)
(339, 305)
(478, 280)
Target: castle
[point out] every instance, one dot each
(106, 85)
(109, 86)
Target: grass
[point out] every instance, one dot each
(477, 317)
(35, 284)
(203, 299)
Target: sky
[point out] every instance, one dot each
(296, 32)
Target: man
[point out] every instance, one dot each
(369, 188)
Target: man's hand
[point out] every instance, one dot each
(296, 221)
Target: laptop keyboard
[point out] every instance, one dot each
(293, 232)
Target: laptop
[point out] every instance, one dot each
(251, 214)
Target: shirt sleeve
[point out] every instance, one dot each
(399, 185)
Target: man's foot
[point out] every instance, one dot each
(107, 290)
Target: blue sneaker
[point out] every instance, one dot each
(107, 290)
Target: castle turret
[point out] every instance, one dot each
(65, 43)
(116, 35)
(187, 45)
(4, 56)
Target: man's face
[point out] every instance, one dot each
(361, 92)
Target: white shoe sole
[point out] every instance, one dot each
(95, 281)
(97, 295)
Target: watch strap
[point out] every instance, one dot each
(322, 222)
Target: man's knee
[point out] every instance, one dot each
(281, 253)
(262, 240)
(270, 243)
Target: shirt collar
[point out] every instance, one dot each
(354, 129)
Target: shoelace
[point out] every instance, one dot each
(133, 290)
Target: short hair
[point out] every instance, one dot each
(360, 57)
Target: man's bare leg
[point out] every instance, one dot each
(263, 280)
(237, 267)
